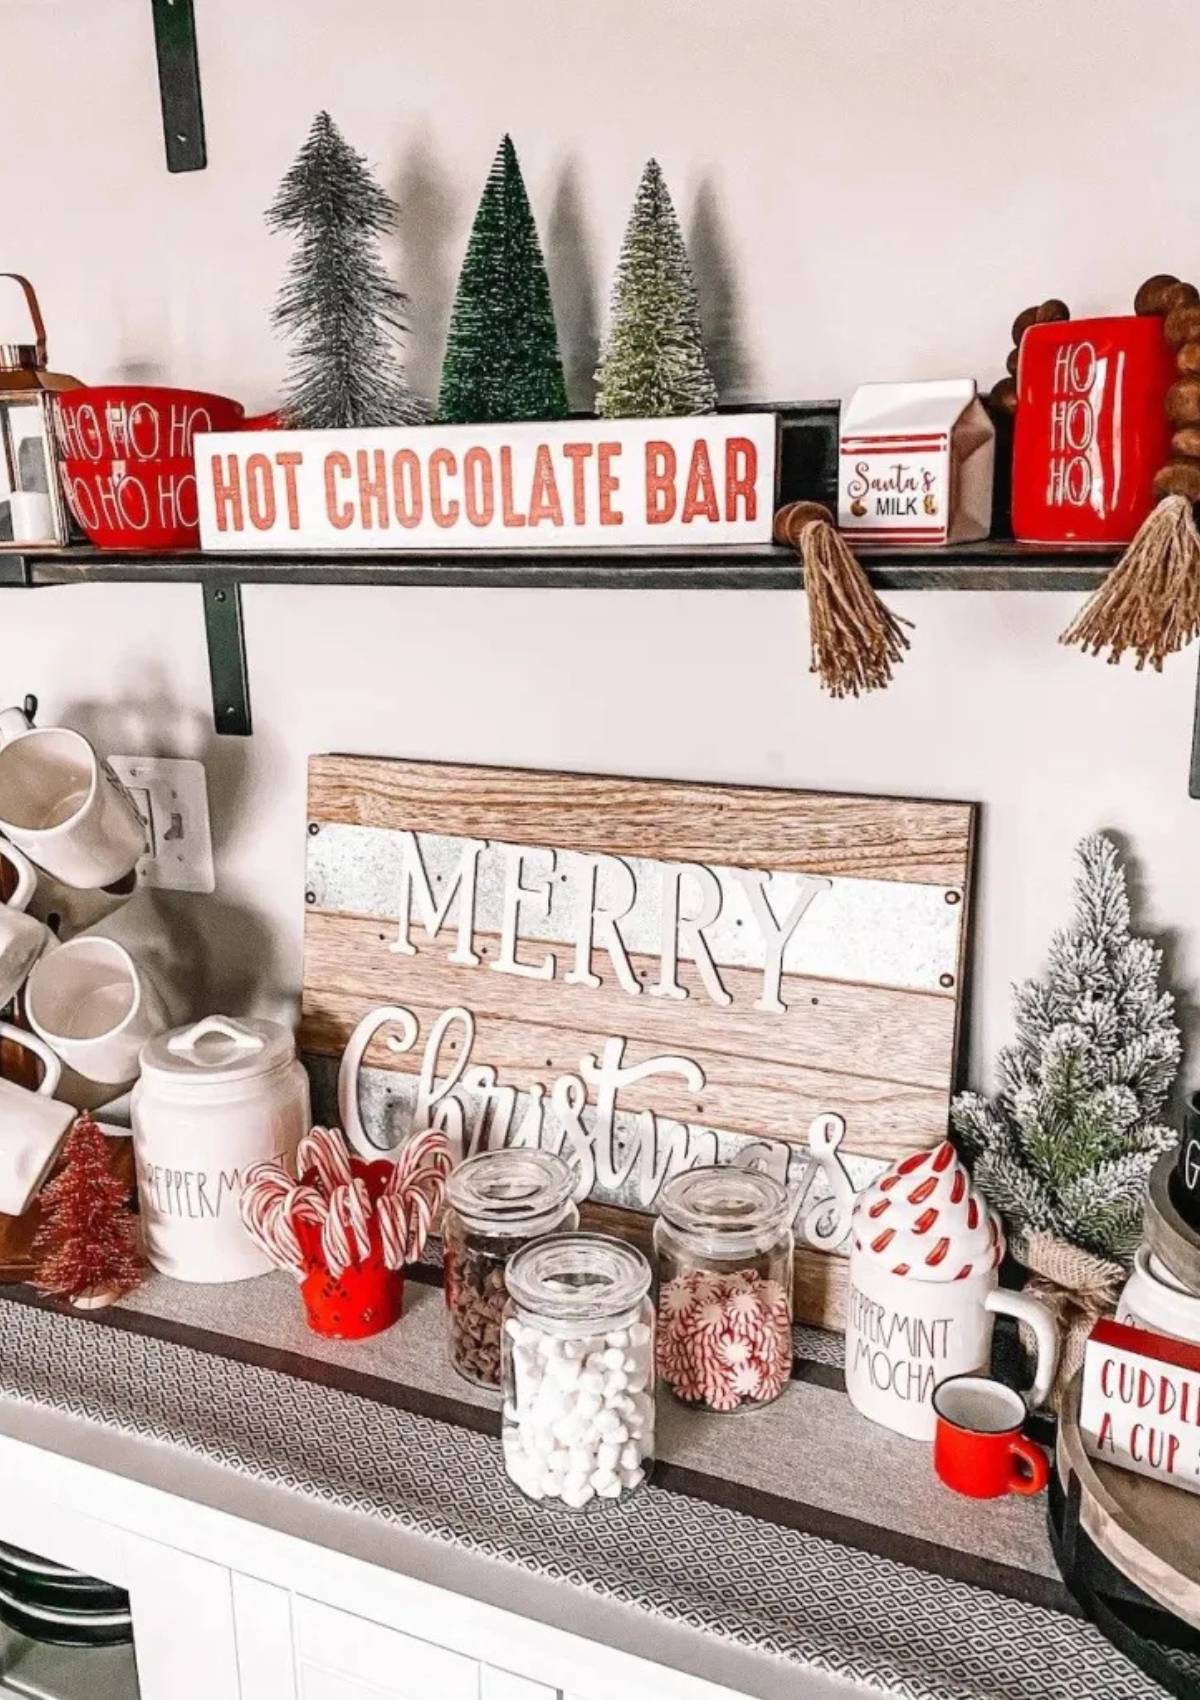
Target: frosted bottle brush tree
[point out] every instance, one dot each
(502, 359)
(1067, 1147)
(342, 313)
(653, 362)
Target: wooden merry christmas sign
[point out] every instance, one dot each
(644, 976)
(585, 484)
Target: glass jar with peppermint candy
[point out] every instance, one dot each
(723, 1240)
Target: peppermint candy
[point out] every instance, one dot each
(724, 1340)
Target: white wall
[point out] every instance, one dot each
(872, 189)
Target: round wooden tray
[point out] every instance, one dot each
(1146, 1530)
(1167, 1234)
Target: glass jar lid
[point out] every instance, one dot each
(731, 1208)
(510, 1191)
(577, 1277)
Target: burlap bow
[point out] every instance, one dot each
(1077, 1287)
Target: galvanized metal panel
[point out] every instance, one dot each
(870, 932)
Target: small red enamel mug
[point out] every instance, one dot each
(978, 1447)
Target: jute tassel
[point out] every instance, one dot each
(1150, 601)
(856, 641)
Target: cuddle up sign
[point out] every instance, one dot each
(616, 483)
(640, 975)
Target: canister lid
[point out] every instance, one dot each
(511, 1190)
(219, 1049)
(577, 1277)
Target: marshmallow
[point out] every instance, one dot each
(578, 1422)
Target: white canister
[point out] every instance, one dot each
(1152, 1298)
(213, 1099)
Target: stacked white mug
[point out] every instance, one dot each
(71, 836)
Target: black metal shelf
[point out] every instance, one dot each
(971, 566)
(990, 566)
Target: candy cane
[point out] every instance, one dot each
(393, 1232)
(324, 1150)
(302, 1204)
(346, 1236)
(420, 1221)
(428, 1151)
(261, 1206)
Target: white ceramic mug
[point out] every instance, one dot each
(22, 939)
(33, 1125)
(1152, 1298)
(14, 723)
(95, 1007)
(903, 1336)
(66, 809)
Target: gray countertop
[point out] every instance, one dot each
(798, 1539)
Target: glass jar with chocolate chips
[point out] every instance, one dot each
(495, 1202)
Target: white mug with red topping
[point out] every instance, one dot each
(925, 1253)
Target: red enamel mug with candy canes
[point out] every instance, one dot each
(347, 1228)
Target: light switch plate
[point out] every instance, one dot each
(172, 799)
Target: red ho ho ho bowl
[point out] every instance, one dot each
(138, 422)
(135, 505)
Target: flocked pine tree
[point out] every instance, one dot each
(653, 360)
(502, 360)
(338, 306)
(1067, 1146)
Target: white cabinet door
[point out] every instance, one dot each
(183, 1632)
(266, 1655)
(342, 1657)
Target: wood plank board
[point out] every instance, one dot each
(874, 1031)
(746, 1051)
(673, 820)
(884, 1117)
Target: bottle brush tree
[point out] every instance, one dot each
(653, 360)
(87, 1245)
(502, 360)
(342, 313)
(1067, 1146)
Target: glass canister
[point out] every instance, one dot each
(578, 1422)
(495, 1202)
(724, 1245)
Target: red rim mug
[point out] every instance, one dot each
(978, 1447)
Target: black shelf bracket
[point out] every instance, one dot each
(226, 637)
(179, 84)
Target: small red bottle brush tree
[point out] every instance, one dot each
(86, 1249)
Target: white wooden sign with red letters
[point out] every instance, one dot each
(585, 484)
(1140, 1406)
